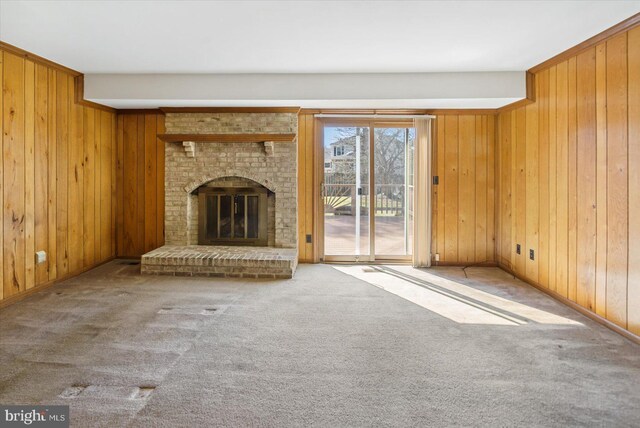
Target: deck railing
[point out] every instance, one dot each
(340, 199)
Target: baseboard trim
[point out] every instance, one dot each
(464, 264)
(16, 298)
(573, 305)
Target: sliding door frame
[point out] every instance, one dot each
(361, 123)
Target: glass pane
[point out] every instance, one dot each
(226, 206)
(211, 224)
(346, 191)
(393, 163)
(252, 216)
(239, 210)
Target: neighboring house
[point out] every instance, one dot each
(339, 156)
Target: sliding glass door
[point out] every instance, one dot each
(364, 222)
(393, 202)
(345, 193)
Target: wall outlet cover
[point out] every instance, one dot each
(41, 257)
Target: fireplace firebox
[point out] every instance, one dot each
(232, 216)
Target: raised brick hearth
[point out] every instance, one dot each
(191, 166)
(221, 261)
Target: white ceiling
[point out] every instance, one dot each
(199, 37)
(303, 36)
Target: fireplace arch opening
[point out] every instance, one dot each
(235, 211)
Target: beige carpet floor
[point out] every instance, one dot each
(335, 346)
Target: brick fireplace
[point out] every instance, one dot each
(227, 159)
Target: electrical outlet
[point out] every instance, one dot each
(531, 254)
(41, 257)
(437, 257)
(518, 249)
(309, 239)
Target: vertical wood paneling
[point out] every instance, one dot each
(572, 180)
(62, 162)
(617, 180)
(43, 191)
(97, 188)
(542, 253)
(106, 189)
(451, 177)
(52, 199)
(506, 194)
(562, 183)
(41, 173)
(521, 189)
(593, 185)
(490, 135)
(466, 188)
(633, 294)
(89, 229)
(552, 173)
(464, 200)
(114, 187)
(76, 183)
(13, 174)
(119, 172)
(29, 173)
(481, 177)
(586, 184)
(601, 179)
(532, 191)
(307, 157)
(140, 190)
(434, 189)
(439, 202)
(138, 185)
(130, 193)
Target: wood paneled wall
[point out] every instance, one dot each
(56, 177)
(569, 181)
(307, 155)
(139, 183)
(463, 216)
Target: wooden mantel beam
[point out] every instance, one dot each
(228, 138)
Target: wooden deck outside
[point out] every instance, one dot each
(340, 235)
